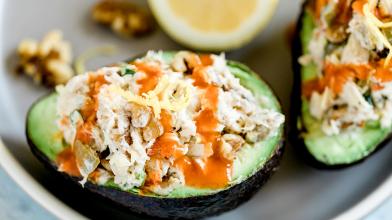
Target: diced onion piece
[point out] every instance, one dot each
(87, 160)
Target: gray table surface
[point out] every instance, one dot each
(16, 204)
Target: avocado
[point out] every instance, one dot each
(318, 149)
(253, 167)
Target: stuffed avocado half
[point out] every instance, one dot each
(169, 134)
(343, 80)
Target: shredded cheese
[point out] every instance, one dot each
(375, 24)
(163, 96)
(376, 21)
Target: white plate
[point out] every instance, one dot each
(295, 192)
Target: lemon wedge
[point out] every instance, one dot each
(213, 24)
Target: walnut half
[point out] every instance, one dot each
(123, 17)
(48, 62)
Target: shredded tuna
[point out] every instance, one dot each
(141, 137)
(352, 84)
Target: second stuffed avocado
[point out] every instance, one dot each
(342, 95)
(101, 129)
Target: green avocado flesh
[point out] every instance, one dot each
(345, 148)
(43, 133)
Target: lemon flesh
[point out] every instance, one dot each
(213, 19)
(213, 24)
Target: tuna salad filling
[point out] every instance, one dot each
(156, 125)
(349, 55)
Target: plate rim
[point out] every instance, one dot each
(59, 209)
(62, 211)
(32, 188)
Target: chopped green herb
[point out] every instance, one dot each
(129, 71)
(126, 70)
(368, 97)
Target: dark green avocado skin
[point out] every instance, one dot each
(178, 208)
(296, 102)
(195, 207)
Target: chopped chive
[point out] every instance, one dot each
(126, 70)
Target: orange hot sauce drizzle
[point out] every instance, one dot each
(153, 73)
(66, 162)
(66, 159)
(89, 110)
(167, 144)
(358, 6)
(164, 147)
(335, 76)
(383, 74)
(214, 170)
